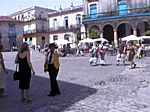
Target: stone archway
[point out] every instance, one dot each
(124, 29)
(94, 32)
(108, 33)
(142, 27)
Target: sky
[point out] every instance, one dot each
(10, 6)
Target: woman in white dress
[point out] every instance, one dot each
(2, 74)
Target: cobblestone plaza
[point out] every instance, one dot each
(84, 88)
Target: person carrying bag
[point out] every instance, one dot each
(16, 75)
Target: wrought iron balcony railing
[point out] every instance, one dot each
(33, 19)
(29, 32)
(41, 31)
(63, 28)
(35, 31)
(118, 14)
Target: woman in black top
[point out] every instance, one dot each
(25, 68)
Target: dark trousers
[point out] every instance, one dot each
(53, 72)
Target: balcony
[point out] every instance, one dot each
(41, 18)
(35, 31)
(41, 31)
(121, 14)
(29, 32)
(33, 19)
(60, 29)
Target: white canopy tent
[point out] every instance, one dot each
(87, 40)
(145, 37)
(130, 38)
(100, 39)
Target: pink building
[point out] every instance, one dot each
(114, 19)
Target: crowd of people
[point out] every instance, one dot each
(126, 51)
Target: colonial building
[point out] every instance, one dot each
(11, 33)
(66, 24)
(114, 19)
(35, 24)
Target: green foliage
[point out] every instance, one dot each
(93, 34)
(147, 33)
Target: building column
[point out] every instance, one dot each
(134, 31)
(115, 37)
(87, 34)
(101, 34)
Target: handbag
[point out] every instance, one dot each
(16, 75)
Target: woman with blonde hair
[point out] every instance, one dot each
(2, 74)
(25, 68)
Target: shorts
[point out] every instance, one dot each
(131, 57)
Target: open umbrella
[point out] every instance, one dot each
(145, 37)
(130, 38)
(101, 39)
(87, 40)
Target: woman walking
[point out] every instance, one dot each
(25, 68)
(131, 54)
(94, 56)
(2, 74)
(52, 60)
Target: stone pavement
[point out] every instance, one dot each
(84, 88)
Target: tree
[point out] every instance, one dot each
(147, 33)
(94, 34)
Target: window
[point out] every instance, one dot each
(78, 19)
(55, 37)
(22, 17)
(93, 10)
(40, 16)
(26, 39)
(30, 41)
(122, 7)
(43, 38)
(66, 37)
(12, 31)
(42, 28)
(66, 22)
(54, 24)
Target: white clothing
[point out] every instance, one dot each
(121, 57)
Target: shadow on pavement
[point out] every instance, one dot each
(40, 86)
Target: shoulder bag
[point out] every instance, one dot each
(16, 75)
